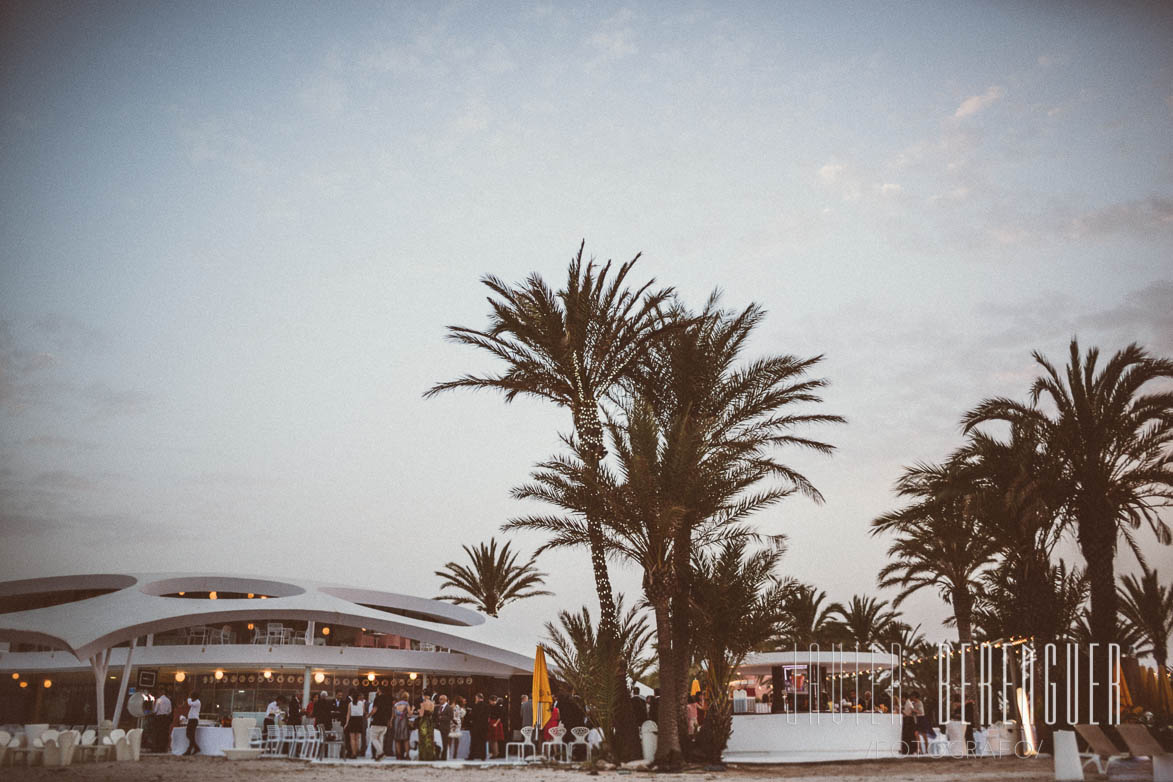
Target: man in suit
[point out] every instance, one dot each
(527, 711)
(478, 727)
(444, 723)
(654, 705)
(324, 711)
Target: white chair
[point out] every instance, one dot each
(1101, 750)
(59, 752)
(938, 744)
(272, 742)
(555, 746)
(313, 742)
(580, 740)
(242, 740)
(1142, 745)
(526, 743)
(288, 740)
(333, 742)
(5, 737)
(134, 742)
(117, 741)
(88, 748)
(955, 735)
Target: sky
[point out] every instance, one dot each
(232, 236)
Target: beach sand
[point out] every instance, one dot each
(158, 768)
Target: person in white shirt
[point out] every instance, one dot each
(193, 721)
(273, 712)
(161, 721)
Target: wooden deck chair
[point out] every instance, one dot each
(1142, 744)
(1100, 749)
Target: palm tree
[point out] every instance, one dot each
(492, 580)
(737, 605)
(571, 347)
(684, 480)
(574, 649)
(1112, 442)
(937, 544)
(1147, 606)
(865, 621)
(808, 617)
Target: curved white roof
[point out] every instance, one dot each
(130, 605)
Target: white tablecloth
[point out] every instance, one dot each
(212, 740)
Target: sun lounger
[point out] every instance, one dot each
(1142, 744)
(1100, 749)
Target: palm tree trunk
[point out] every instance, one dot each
(1097, 543)
(668, 752)
(625, 741)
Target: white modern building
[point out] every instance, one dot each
(72, 644)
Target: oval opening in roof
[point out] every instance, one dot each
(220, 588)
(419, 608)
(31, 593)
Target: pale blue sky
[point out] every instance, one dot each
(231, 236)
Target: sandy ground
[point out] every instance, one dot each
(204, 769)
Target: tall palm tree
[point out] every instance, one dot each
(1113, 442)
(937, 544)
(737, 605)
(865, 621)
(492, 579)
(1147, 606)
(684, 481)
(571, 347)
(574, 649)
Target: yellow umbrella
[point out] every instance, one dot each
(540, 694)
(1125, 694)
(696, 687)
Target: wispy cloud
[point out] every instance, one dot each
(975, 103)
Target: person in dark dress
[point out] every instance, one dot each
(478, 727)
(324, 710)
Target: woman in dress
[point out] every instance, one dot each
(356, 723)
(426, 725)
(496, 727)
(400, 729)
(458, 712)
(550, 723)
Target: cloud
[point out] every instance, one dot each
(616, 38)
(890, 189)
(975, 103)
(831, 172)
(1143, 216)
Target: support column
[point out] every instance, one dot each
(305, 690)
(126, 669)
(310, 628)
(99, 664)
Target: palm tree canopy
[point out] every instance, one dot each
(492, 579)
(570, 346)
(865, 621)
(1112, 440)
(1147, 606)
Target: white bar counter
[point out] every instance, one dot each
(805, 737)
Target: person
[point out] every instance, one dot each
(381, 711)
(551, 723)
(639, 707)
(866, 700)
(162, 721)
(478, 727)
(924, 727)
(654, 705)
(339, 707)
(496, 727)
(400, 727)
(426, 728)
(443, 724)
(273, 713)
(293, 717)
(571, 715)
(690, 711)
(193, 721)
(908, 732)
(324, 711)
(527, 711)
(355, 722)
(458, 712)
